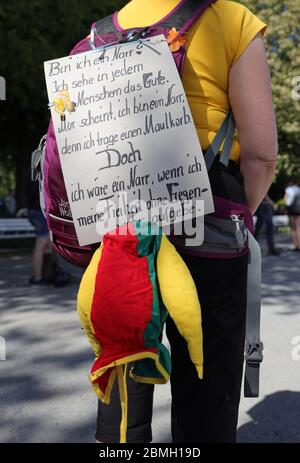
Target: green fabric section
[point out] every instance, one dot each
(146, 368)
(165, 358)
(149, 239)
(155, 325)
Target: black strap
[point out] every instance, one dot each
(182, 15)
(253, 345)
(226, 134)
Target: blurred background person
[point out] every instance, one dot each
(264, 216)
(45, 266)
(292, 201)
(10, 204)
(43, 244)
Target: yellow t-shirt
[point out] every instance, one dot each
(215, 42)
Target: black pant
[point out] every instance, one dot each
(207, 410)
(265, 215)
(202, 410)
(140, 404)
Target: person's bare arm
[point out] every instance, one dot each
(251, 102)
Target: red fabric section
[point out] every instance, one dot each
(122, 303)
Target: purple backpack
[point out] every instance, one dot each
(45, 161)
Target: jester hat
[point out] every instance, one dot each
(134, 280)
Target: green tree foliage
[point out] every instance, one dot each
(31, 32)
(282, 42)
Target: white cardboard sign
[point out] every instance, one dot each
(131, 137)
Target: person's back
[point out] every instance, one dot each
(225, 69)
(215, 42)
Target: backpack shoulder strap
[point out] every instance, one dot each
(182, 18)
(185, 14)
(105, 26)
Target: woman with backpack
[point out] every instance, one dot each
(225, 68)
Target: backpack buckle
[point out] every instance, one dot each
(36, 157)
(134, 34)
(253, 354)
(241, 231)
(253, 358)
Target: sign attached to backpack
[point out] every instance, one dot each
(127, 142)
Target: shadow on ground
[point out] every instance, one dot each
(273, 420)
(45, 395)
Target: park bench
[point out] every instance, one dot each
(281, 220)
(16, 228)
(22, 228)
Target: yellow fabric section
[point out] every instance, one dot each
(148, 380)
(85, 300)
(179, 295)
(121, 372)
(105, 397)
(215, 42)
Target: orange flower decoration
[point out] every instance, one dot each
(174, 40)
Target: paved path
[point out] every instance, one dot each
(44, 392)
